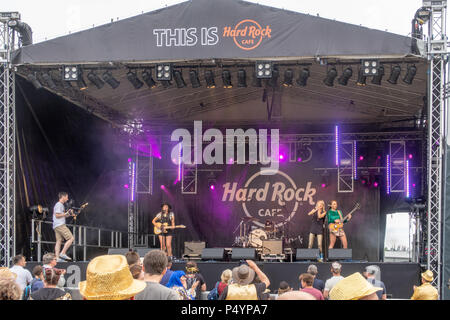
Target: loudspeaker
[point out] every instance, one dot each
(118, 251)
(307, 254)
(272, 247)
(340, 254)
(194, 248)
(243, 254)
(143, 251)
(213, 254)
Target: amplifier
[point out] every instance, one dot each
(339, 254)
(307, 254)
(194, 248)
(272, 247)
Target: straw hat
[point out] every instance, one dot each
(428, 276)
(109, 278)
(353, 287)
(243, 275)
(5, 273)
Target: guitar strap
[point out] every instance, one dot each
(340, 215)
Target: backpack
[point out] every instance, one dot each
(214, 293)
(26, 292)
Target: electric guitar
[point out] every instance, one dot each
(77, 211)
(163, 227)
(335, 227)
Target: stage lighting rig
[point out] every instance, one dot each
(134, 80)
(164, 72)
(92, 77)
(303, 77)
(109, 79)
(148, 79)
(70, 73)
(273, 82)
(195, 81)
(48, 79)
(288, 78)
(346, 75)
(226, 78)
(33, 79)
(264, 70)
(361, 78)
(331, 75)
(370, 67)
(395, 74)
(377, 79)
(410, 74)
(81, 83)
(178, 76)
(38, 212)
(209, 78)
(242, 78)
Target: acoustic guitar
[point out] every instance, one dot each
(163, 227)
(335, 227)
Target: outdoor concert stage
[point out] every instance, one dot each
(399, 278)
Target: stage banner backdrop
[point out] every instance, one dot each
(207, 29)
(241, 191)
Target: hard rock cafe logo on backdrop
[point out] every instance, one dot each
(247, 34)
(275, 197)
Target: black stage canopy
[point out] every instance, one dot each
(206, 29)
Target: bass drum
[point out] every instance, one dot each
(256, 238)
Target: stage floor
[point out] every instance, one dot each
(399, 278)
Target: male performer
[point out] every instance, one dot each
(318, 216)
(335, 216)
(165, 238)
(59, 225)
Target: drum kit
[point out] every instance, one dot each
(254, 238)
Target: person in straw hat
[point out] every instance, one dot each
(242, 287)
(108, 277)
(426, 291)
(354, 287)
(7, 274)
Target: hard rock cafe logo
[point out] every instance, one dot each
(247, 34)
(275, 197)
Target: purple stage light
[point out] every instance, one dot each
(323, 185)
(408, 191)
(126, 186)
(388, 175)
(133, 182)
(375, 184)
(410, 156)
(355, 165)
(281, 157)
(163, 187)
(129, 159)
(336, 138)
(361, 158)
(299, 159)
(212, 187)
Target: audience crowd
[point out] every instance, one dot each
(131, 277)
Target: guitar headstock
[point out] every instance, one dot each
(84, 205)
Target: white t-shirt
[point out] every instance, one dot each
(58, 208)
(24, 276)
(330, 283)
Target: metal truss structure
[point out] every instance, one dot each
(189, 179)
(346, 168)
(437, 56)
(8, 43)
(397, 172)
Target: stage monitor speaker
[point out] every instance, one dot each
(272, 247)
(339, 254)
(243, 254)
(194, 248)
(307, 254)
(118, 251)
(143, 251)
(213, 254)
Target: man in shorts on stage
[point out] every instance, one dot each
(62, 232)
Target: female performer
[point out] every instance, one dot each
(165, 238)
(335, 217)
(318, 217)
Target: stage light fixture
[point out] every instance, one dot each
(81, 83)
(410, 74)
(134, 80)
(331, 75)
(70, 73)
(288, 78)
(195, 81)
(92, 77)
(395, 74)
(148, 79)
(256, 82)
(303, 77)
(32, 78)
(164, 72)
(361, 78)
(226, 78)
(273, 82)
(325, 180)
(377, 79)
(370, 67)
(166, 83)
(209, 78)
(242, 78)
(109, 79)
(48, 79)
(178, 76)
(346, 75)
(264, 70)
